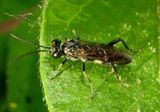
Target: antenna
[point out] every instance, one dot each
(26, 54)
(29, 42)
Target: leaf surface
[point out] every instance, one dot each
(101, 21)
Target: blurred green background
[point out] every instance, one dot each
(20, 89)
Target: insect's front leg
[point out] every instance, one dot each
(88, 80)
(119, 40)
(59, 68)
(116, 72)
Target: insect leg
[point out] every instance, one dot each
(116, 72)
(118, 40)
(88, 80)
(59, 68)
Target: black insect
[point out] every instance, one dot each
(75, 49)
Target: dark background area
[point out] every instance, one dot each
(20, 86)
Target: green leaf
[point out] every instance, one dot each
(101, 21)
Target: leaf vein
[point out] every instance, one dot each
(76, 14)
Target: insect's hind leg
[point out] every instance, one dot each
(88, 80)
(59, 68)
(119, 40)
(116, 72)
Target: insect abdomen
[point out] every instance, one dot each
(118, 57)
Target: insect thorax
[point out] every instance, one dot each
(71, 49)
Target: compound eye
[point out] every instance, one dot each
(56, 48)
(55, 45)
(56, 42)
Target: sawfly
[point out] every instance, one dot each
(75, 49)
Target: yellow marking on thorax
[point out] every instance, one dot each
(98, 61)
(83, 60)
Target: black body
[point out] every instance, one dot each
(84, 51)
(99, 53)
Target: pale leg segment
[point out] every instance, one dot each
(88, 80)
